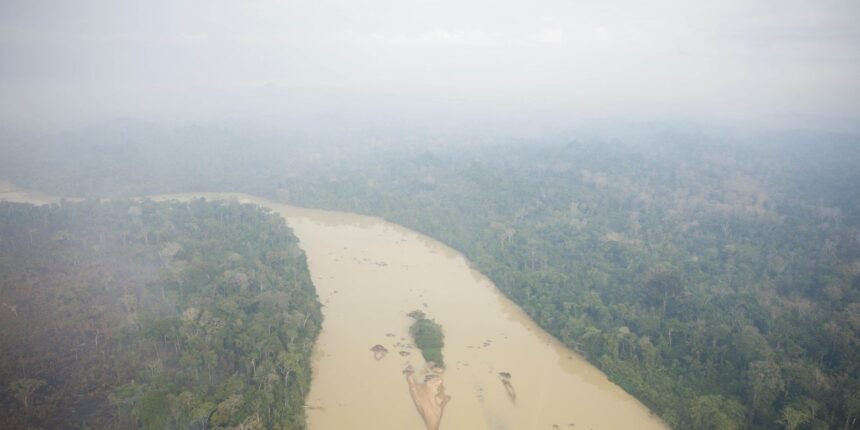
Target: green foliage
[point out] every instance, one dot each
(153, 315)
(714, 412)
(793, 417)
(683, 270)
(23, 390)
(153, 409)
(684, 263)
(428, 337)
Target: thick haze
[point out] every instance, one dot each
(69, 62)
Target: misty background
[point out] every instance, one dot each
(528, 68)
(670, 188)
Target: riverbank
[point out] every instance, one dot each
(369, 274)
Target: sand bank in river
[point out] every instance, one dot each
(364, 299)
(429, 397)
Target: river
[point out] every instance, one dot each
(369, 274)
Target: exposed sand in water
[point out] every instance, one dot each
(429, 396)
(369, 274)
(11, 193)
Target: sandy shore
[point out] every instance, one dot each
(11, 193)
(554, 385)
(429, 397)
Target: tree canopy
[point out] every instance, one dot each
(151, 315)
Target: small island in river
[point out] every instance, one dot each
(429, 397)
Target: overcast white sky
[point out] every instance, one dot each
(83, 60)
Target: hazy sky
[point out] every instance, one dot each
(90, 59)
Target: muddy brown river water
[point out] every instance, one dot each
(369, 274)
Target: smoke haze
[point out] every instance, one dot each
(66, 62)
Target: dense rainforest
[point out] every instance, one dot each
(719, 285)
(149, 315)
(715, 277)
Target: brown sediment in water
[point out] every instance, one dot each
(13, 194)
(505, 377)
(510, 389)
(379, 352)
(429, 397)
(364, 300)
